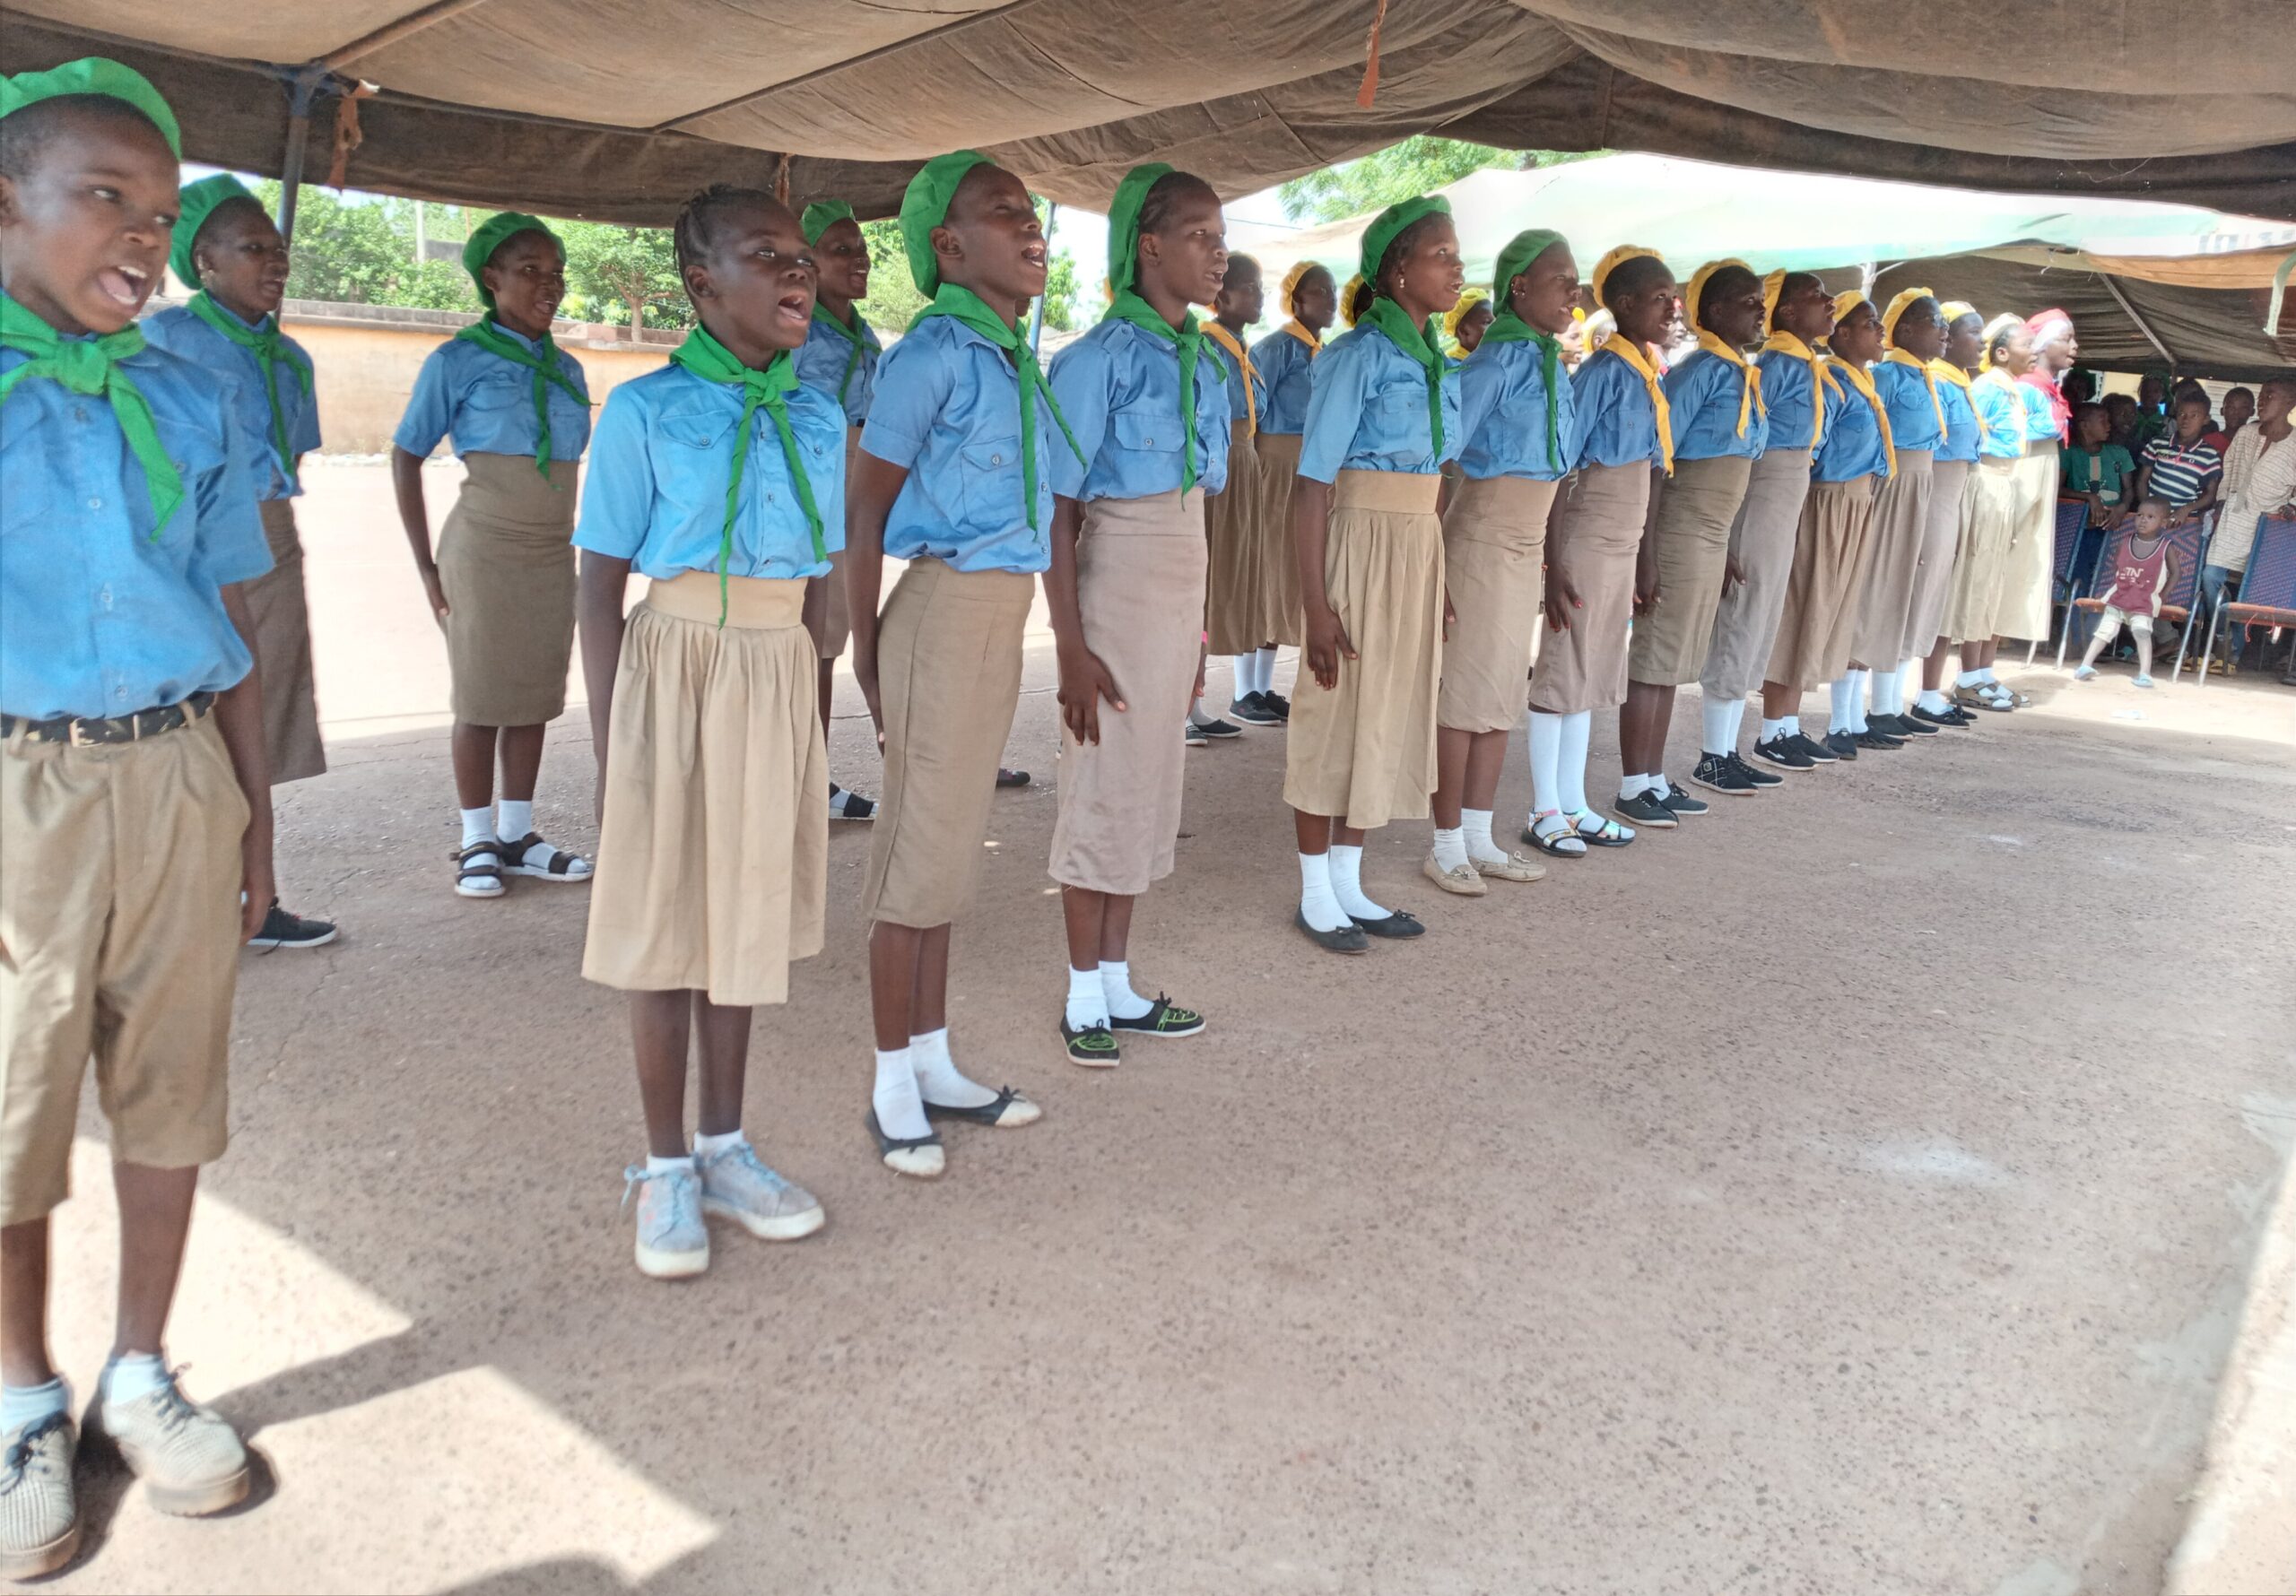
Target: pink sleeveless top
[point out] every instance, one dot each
(2136, 577)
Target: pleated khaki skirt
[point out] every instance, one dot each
(1583, 666)
(506, 561)
(1140, 586)
(1886, 604)
(282, 651)
(1989, 524)
(2028, 568)
(1235, 602)
(1812, 643)
(1279, 559)
(1746, 617)
(1494, 571)
(1932, 575)
(837, 619)
(1363, 750)
(948, 677)
(713, 847)
(1697, 507)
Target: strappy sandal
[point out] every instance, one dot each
(475, 879)
(1009, 1112)
(1565, 843)
(561, 866)
(1609, 833)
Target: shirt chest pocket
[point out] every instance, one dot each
(994, 493)
(1400, 414)
(1146, 429)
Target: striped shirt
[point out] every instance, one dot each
(2181, 471)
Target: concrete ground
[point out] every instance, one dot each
(1856, 1191)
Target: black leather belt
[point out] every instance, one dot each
(119, 728)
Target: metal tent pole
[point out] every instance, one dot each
(301, 94)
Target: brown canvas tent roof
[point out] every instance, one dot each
(619, 111)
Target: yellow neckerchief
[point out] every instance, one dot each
(1750, 391)
(1298, 329)
(1820, 379)
(1626, 350)
(1897, 357)
(1960, 379)
(1864, 386)
(1234, 346)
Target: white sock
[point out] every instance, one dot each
(1239, 671)
(1773, 730)
(1088, 1000)
(1347, 883)
(1986, 675)
(704, 1145)
(1969, 679)
(1717, 731)
(1451, 848)
(22, 1405)
(478, 825)
(1116, 982)
(1843, 692)
(138, 1374)
(1857, 680)
(1317, 905)
(1264, 671)
(1660, 785)
(1933, 700)
(1474, 824)
(1634, 786)
(938, 1078)
(1885, 693)
(1546, 761)
(1793, 725)
(1571, 765)
(518, 818)
(901, 1110)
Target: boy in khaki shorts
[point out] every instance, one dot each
(135, 790)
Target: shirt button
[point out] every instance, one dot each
(103, 597)
(120, 692)
(1150, 443)
(95, 503)
(80, 414)
(997, 459)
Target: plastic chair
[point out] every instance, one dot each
(2268, 590)
(2071, 520)
(2176, 604)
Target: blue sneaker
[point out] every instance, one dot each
(736, 1185)
(2142, 681)
(673, 1243)
(2086, 673)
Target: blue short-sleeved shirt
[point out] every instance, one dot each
(2040, 416)
(2001, 401)
(1790, 393)
(96, 617)
(1234, 376)
(825, 355)
(1121, 389)
(1368, 410)
(486, 404)
(1905, 394)
(1704, 395)
(180, 332)
(1503, 414)
(656, 493)
(1617, 423)
(1286, 368)
(1853, 444)
(1961, 422)
(947, 407)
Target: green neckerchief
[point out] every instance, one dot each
(1422, 345)
(851, 335)
(953, 299)
(542, 361)
(269, 347)
(1130, 307)
(767, 390)
(1506, 327)
(91, 366)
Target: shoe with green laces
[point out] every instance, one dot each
(1094, 1046)
(39, 1521)
(1164, 1019)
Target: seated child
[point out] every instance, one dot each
(2143, 568)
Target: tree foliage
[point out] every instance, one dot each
(1419, 165)
(625, 275)
(362, 252)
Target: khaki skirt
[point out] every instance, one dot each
(2028, 568)
(1894, 558)
(1812, 643)
(948, 676)
(1363, 752)
(1278, 557)
(282, 651)
(1933, 574)
(713, 847)
(1583, 666)
(837, 619)
(1235, 602)
(1988, 523)
(1494, 572)
(1746, 619)
(1140, 576)
(1696, 510)
(506, 561)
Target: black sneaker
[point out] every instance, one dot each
(1645, 809)
(1215, 728)
(1959, 720)
(1818, 750)
(1761, 779)
(283, 930)
(1193, 735)
(1277, 702)
(1842, 745)
(1870, 738)
(1781, 751)
(1682, 802)
(1719, 773)
(1902, 727)
(1094, 1046)
(1253, 710)
(1164, 1019)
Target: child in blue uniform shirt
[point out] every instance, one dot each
(955, 477)
(135, 801)
(1951, 469)
(1147, 404)
(1236, 605)
(720, 479)
(517, 410)
(230, 252)
(1285, 361)
(839, 357)
(1914, 334)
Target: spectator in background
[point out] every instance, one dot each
(2151, 415)
(2120, 409)
(2080, 386)
(2239, 409)
(2259, 480)
(2182, 467)
(2095, 468)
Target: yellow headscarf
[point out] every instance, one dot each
(1613, 261)
(1633, 353)
(1953, 310)
(1750, 387)
(1773, 287)
(1347, 298)
(1458, 313)
(1993, 330)
(1844, 303)
(1298, 329)
(1902, 303)
(1822, 381)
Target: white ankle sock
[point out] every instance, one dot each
(704, 1145)
(1347, 883)
(657, 1165)
(1476, 824)
(1451, 847)
(901, 1110)
(1116, 982)
(1885, 698)
(1546, 761)
(1969, 679)
(22, 1405)
(138, 1374)
(1771, 730)
(938, 1079)
(1634, 786)
(1986, 676)
(1660, 785)
(1240, 675)
(1088, 1000)
(1857, 680)
(1570, 763)
(1841, 691)
(478, 825)
(1718, 730)
(1318, 904)
(518, 818)
(1264, 669)
(1933, 700)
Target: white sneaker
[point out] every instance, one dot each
(39, 1520)
(736, 1185)
(190, 1458)
(673, 1243)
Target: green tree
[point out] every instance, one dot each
(1060, 292)
(894, 300)
(1419, 165)
(625, 275)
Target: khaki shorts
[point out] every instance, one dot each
(119, 904)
